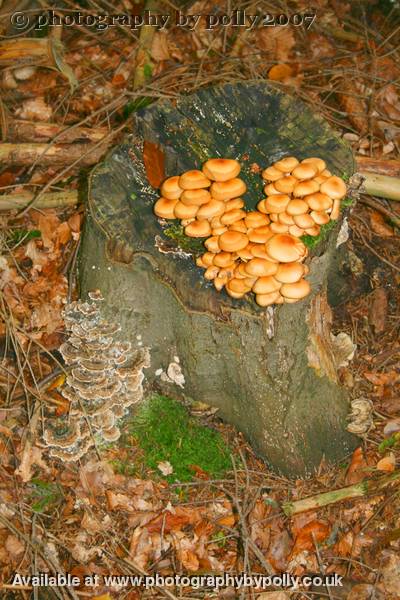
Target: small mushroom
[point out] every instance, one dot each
(232, 241)
(296, 291)
(318, 201)
(219, 230)
(211, 272)
(234, 203)
(212, 244)
(220, 282)
(208, 258)
(279, 228)
(296, 231)
(238, 226)
(305, 171)
(268, 299)
(287, 164)
(260, 235)
(165, 208)
(286, 248)
(270, 190)
(297, 207)
(185, 211)
(285, 218)
(320, 218)
(259, 251)
(289, 272)
(318, 162)
(335, 209)
(314, 231)
(266, 285)
(238, 286)
(221, 169)
(226, 190)
(277, 204)
(271, 174)
(196, 197)
(286, 185)
(171, 189)
(246, 253)
(231, 216)
(193, 180)
(198, 229)
(304, 221)
(223, 259)
(334, 187)
(214, 208)
(304, 188)
(255, 219)
(261, 206)
(260, 267)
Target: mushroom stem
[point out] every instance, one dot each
(335, 210)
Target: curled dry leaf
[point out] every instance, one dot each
(310, 535)
(357, 468)
(379, 225)
(387, 463)
(165, 467)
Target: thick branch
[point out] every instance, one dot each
(32, 131)
(56, 155)
(378, 166)
(51, 200)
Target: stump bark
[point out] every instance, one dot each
(272, 373)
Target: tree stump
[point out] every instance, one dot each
(272, 373)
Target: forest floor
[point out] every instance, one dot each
(68, 93)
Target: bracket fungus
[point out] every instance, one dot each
(259, 250)
(104, 379)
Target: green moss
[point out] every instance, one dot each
(165, 431)
(177, 233)
(311, 241)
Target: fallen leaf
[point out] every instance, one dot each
(30, 456)
(356, 470)
(280, 72)
(390, 572)
(388, 378)
(378, 309)
(278, 42)
(310, 535)
(14, 546)
(379, 225)
(159, 47)
(391, 427)
(153, 159)
(165, 467)
(387, 463)
(362, 591)
(35, 109)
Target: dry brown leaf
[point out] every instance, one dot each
(280, 547)
(388, 378)
(379, 225)
(362, 591)
(31, 456)
(48, 224)
(14, 546)
(260, 530)
(35, 109)
(280, 72)
(159, 47)
(378, 309)
(153, 159)
(357, 468)
(390, 572)
(387, 463)
(311, 534)
(273, 596)
(276, 41)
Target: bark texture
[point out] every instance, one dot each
(273, 374)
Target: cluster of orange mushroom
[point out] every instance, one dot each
(260, 250)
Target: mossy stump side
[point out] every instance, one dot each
(251, 363)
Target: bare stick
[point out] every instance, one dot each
(61, 154)
(372, 486)
(50, 200)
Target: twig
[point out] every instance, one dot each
(378, 206)
(372, 486)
